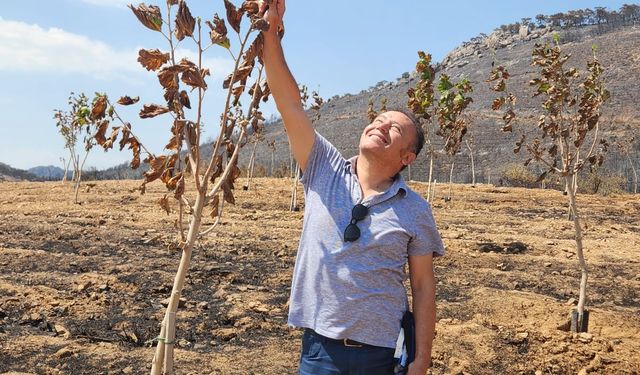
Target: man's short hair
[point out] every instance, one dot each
(418, 142)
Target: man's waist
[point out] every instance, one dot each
(343, 342)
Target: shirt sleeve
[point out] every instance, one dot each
(324, 160)
(426, 238)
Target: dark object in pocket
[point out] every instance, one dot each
(408, 326)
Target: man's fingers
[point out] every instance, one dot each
(263, 6)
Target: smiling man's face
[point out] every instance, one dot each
(390, 137)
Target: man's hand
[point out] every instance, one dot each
(273, 14)
(418, 368)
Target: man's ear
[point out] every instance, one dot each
(408, 158)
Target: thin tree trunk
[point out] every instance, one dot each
(473, 166)
(409, 167)
(77, 188)
(294, 191)
(253, 166)
(451, 180)
(430, 172)
(252, 161)
(66, 169)
(291, 172)
(273, 161)
(164, 351)
(574, 186)
(75, 159)
(635, 175)
(583, 265)
(433, 191)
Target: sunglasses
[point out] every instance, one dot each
(352, 232)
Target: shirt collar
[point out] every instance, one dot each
(398, 187)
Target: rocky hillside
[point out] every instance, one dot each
(7, 173)
(343, 118)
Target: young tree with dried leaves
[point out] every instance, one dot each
(72, 124)
(420, 102)
(568, 136)
(449, 108)
(195, 186)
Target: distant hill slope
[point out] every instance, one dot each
(344, 118)
(7, 173)
(48, 172)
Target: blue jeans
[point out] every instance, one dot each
(322, 356)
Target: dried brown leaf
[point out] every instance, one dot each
(215, 204)
(126, 100)
(166, 176)
(152, 175)
(497, 103)
(266, 91)
(100, 133)
(217, 169)
(148, 15)
(157, 163)
(152, 110)
(168, 79)
(112, 138)
(164, 204)
(508, 117)
(173, 181)
(234, 16)
(240, 76)
(185, 23)
(124, 140)
(174, 143)
(184, 99)
(260, 24)
(152, 59)
(230, 149)
(172, 161)
(218, 33)
(134, 145)
(254, 50)
(195, 78)
(99, 108)
(252, 7)
(179, 187)
(227, 194)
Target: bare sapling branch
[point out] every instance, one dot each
(312, 103)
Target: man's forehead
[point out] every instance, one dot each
(398, 117)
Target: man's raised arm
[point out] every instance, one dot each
(285, 89)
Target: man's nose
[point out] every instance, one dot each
(384, 126)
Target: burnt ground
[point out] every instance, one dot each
(81, 286)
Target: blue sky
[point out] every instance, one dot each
(50, 48)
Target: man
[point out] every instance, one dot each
(361, 226)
